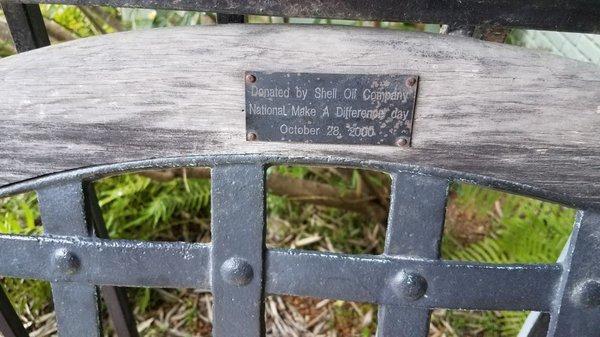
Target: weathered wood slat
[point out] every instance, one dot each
(485, 108)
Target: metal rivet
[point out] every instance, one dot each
(237, 271)
(411, 81)
(251, 136)
(250, 78)
(66, 261)
(588, 293)
(409, 285)
(401, 142)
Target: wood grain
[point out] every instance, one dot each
(484, 108)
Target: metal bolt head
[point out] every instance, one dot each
(65, 261)
(250, 78)
(409, 285)
(587, 293)
(411, 81)
(251, 136)
(237, 271)
(401, 142)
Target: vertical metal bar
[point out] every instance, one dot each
(10, 324)
(230, 18)
(577, 310)
(415, 226)
(537, 323)
(76, 305)
(26, 25)
(119, 311)
(238, 225)
(115, 298)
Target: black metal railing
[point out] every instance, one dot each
(407, 280)
(28, 31)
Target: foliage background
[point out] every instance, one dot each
(481, 225)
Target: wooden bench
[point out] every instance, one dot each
(495, 115)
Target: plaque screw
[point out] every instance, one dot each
(411, 81)
(401, 142)
(409, 285)
(237, 271)
(66, 261)
(251, 136)
(250, 78)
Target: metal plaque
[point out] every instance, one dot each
(330, 108)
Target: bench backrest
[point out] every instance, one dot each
(495, 115)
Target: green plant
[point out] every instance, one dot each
(135, 207)
(523, 230)
(19, 215)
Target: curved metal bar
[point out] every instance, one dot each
(102, 171)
